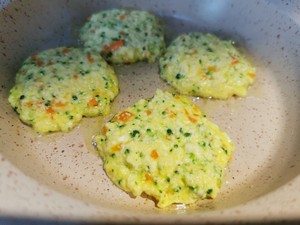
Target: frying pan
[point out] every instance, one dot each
(60, 176)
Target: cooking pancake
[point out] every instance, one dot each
(54, 89)
(203, 65)
(165, 147)
(124, 36)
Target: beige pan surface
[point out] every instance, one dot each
(60, 176)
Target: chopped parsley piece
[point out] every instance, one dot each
(225, 150)
(209, 191)
(169, 131)
(127, 151)
(48, 103)
(134, 133)
(187, 134)
(179, 76)
(209, 49)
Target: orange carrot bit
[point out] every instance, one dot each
(50, 110)
(252, 75)
(113, 47)
(75, 76)
(66, 51)
(177, 96)
(193, 120)
(196, 109)
(104, 130)
(234, 60)
(39, 62)
(39, 104)
(116, 148)
(154, 154)
(122, 17)
(148, 177)
(90, 58)
(60, 104)
(171, 113)
(148, 112)
(28, 104)
(212, 68)
(93, 102)
(124, 116)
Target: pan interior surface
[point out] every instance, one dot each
(264, 125)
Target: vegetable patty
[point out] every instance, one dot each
(165, 147)
(203, 65)
(124, 36)
(54, 89)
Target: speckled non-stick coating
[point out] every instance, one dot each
(60, 176)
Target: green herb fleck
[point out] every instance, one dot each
(109, 55)
(225, 150)
(48, 103)
(209, 191)
(29, 77)
(102, 34)
(191, 188)
(149, 130)
(179, 76)
(127, 151)
(187, 134)
(177, 189)
(169, 131)
(209, 49)
(209, 72)
(134, 133)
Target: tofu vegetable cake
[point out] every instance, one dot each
(166, 148)
(124, 36)
(203, 65)
(54, 89)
